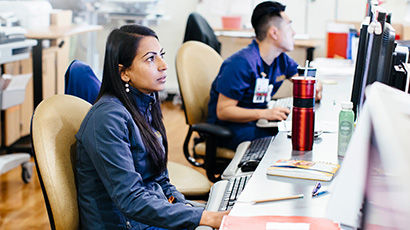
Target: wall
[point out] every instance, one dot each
(171, 33)
(308, 16)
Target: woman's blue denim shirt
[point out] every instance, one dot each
(117, 188)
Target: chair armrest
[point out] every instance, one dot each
(203, 227)
(212, 129)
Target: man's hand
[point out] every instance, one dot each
(276, 113)
(228, 110)
(319, 89)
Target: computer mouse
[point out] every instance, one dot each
(249, 166)
(263, 122)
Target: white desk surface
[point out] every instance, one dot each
(262, 186)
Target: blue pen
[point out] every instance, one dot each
(318, 185)
(320, 193)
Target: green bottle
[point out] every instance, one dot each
(346, 126)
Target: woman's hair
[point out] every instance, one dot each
(121, 48)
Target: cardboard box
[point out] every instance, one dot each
(61, 17)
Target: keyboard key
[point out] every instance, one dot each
(256, 150)
(233, 190)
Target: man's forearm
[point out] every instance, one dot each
(238, 114)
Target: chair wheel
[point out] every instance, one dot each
(27, 171)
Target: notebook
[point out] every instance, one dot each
(311, 170)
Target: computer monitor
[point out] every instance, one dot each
(371, 189)
(360, 63)
(376, 62)
(382, 47)
(387, 203)
(400, 75)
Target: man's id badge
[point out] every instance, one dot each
(261, 90)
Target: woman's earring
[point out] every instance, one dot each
(127, 89)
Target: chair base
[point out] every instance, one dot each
(21, 145)
(11, 161)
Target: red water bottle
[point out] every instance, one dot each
(303, 113)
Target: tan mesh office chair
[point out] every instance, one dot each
(197, 65)
(55, 122)
(54, 125)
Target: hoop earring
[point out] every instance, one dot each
(127, 89)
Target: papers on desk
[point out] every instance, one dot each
(12, 89)
(277, 222)
(333, 67)
(285, 126)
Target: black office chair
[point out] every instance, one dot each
(198, 29)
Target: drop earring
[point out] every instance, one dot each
(127, 89)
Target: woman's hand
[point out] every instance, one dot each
(212, 219)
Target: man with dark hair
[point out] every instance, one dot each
(238, 94)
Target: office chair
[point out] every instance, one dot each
(198, 29)
(54, 124)
(197, 65)
(81, 82)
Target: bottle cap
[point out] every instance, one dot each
(347, 105)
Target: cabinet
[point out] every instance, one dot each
(16, 120)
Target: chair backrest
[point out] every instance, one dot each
(197, 65)
(81, 81)
(198, 29)
(54, 124)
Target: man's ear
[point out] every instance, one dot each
(273, 32)
(123, 73)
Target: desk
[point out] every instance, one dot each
(233, 40)
(262, 186)
(52, 32)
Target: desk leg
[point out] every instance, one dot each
(38, 72)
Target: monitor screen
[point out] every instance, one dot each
(371, 189)
(387, 200)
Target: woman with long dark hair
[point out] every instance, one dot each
(122, 145)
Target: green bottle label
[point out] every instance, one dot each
(345, 128)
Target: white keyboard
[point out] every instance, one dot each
(223, 195)
(286, 102)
